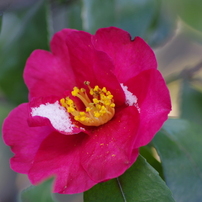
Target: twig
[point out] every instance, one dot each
(187, 73)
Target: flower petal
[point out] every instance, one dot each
(48, 74)
(59, 156)
(154, 102)
(109, 151)
(58, 44)
(130, 57)
(92, 65)
(23, 140)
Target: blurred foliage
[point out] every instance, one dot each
(179, 146)
(153, 20)
(190, 12)
(8, 189)
(74, 15)
(163, 25)
(15, 50)
(41, 193)
(191, 101)
(0, 22)
(157, 21)
(149, 19)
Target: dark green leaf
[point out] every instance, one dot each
(148, 152)
(179, 146)
(31, 33)
(38, 193)
(191, 103)
(140, 183)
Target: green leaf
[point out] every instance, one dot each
(139, 183)
(179, 146)
(191, 103)
(30, 34)
(39, 193)
(148, 152)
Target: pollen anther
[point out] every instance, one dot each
(98, 110)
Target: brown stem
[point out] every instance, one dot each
(187, 73)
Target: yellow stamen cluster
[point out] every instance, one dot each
(98, 110)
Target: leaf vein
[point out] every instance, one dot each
(121, 189)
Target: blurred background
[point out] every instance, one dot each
(172, 28)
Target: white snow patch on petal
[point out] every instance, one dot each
(131, 99)
(57, 115)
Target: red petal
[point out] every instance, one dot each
(109, 151)
(154, 102)
(48, 74)
(92, 65)
(59, 156)
(130, 57)
(58, 44)
(23, 140)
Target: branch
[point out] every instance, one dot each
(187, 73)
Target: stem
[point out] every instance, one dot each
(186, 73)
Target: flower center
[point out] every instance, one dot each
(98, 110)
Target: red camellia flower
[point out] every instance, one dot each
(93, 101)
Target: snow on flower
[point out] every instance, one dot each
(94, 100)
(57, 115)
(131, 100)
